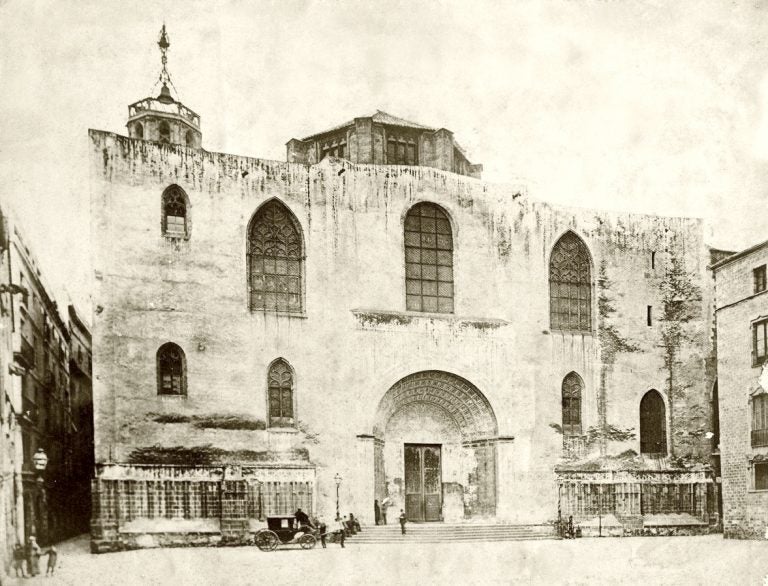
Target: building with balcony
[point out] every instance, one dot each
(38, 409)
(742, 386)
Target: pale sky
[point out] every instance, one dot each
(644, 106)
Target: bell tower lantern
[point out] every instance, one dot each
(164, 119)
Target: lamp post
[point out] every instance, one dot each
(40, 462)
(337, 479)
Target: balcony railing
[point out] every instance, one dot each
(152, 104)
(759, 437)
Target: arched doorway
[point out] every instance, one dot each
(435, 451)
(653, 424)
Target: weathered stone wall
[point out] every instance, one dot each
(745, 510)
(356, 340)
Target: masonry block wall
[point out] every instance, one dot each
(355, 339)
(745, 507)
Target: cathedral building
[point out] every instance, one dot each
(370, 320)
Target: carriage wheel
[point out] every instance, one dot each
(307, 541)
(266, 540)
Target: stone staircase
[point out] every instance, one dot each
(447, 532)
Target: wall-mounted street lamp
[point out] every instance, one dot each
(40, 462)
(337, 479)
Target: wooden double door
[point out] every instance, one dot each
(423, 482)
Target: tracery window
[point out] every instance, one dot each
(653, 424)
(175, 213)
(570, 285)
(280, 394)
(571, 396)
(275, 257)
(428, 259)
(171, 370)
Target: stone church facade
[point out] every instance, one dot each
(326, 333)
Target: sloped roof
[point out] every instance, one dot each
(378, 117)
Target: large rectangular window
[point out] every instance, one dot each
(759, 341)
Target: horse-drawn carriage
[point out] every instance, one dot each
(285, 530)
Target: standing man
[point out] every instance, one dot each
(402, 522)
(302, 518)
(342, 532)
(33, 556)
(384, 504)
(18, 560)
(376, 511)
(321, 528)
(52, 556)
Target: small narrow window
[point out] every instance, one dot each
(190, 138)
(571, 398)
(761, 476)
(649, 315)
(171, 370)
(174, 213)
(139, 131)
(164, 131)
(280, 394)
(653, 424)
(653, 259)
(759, 342)
(759, 279)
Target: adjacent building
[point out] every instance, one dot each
(45, 416)
(80, 402)
(333, 330)
(742, 387)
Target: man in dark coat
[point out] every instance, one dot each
(376, 511)
(402, 521)
(302, 518)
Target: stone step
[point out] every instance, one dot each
(447, 539)
(440, 533)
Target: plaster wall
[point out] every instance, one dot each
(355, 339)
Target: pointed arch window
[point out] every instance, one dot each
(572, 388)
(428, 259)
(171, 370)
(570, 285)
(280, 394)
(175, 221)
(653, 424)
(139, 130)
(275, 258)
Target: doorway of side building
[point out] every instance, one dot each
(423, 482)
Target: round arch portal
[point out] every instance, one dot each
(458, 397)
(435, 449)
